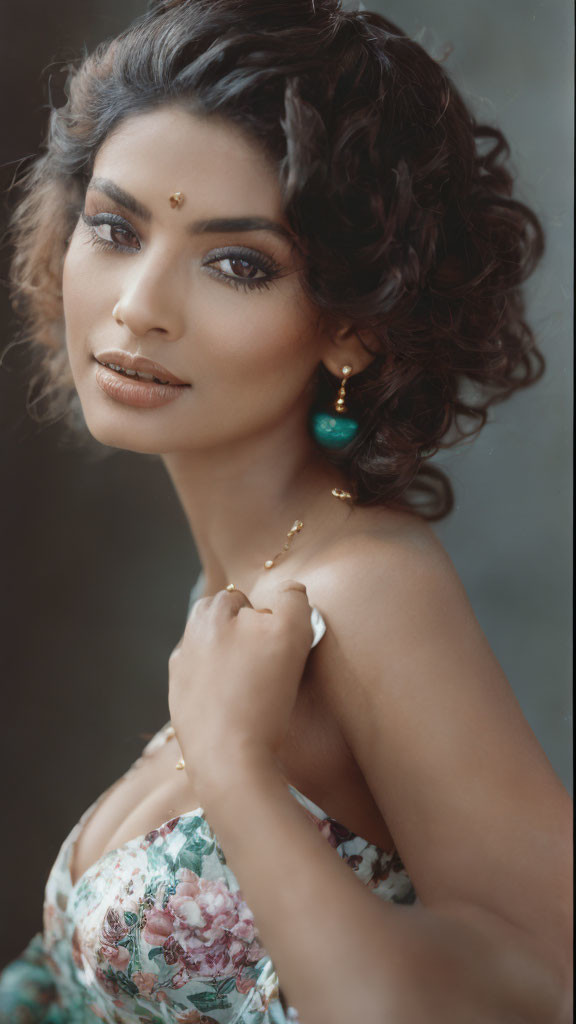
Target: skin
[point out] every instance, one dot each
(250, 355)
(397, 722)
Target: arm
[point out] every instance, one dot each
(478, 816)
(341, 953)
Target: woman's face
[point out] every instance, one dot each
(220, 307)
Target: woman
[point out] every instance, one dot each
(285, 216)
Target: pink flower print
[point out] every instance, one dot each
(77, 955)
(332, 830)
(354, 860)
(172, 950)
(158, 927)
(107, 983)
(381, 869)
(213, 925)
(187, 911)
(53, 923)
(244, 984)
(339, 833)
(97, 1011)
(188, 884)
(169, 826)
(180, 978)
(144, 982)
(163, 831)
(244, 928)
(219, 909)
(113, 928)
(117, 956)
(207, 961)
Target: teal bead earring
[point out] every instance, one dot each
(335, 431)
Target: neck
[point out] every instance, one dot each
(241, 502)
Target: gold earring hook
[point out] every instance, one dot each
(340, 403)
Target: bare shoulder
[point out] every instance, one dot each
(381, 552)
(387, 590)
(440, 737)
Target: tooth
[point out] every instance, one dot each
(134, 373)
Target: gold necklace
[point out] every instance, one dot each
(268, 564)
(294, 529)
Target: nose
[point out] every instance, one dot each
(149, 301)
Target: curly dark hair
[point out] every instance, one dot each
(402, 201)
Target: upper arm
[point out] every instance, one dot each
(476, 811)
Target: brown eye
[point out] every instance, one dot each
(116, 235)
(242, 268)
(239, 268)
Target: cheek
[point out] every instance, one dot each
(265, 338)
(79, 291)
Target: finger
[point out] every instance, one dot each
(291, 602)
(247, 603)
(227, 603)
(291, 586)
(293, 607)
(251, 608)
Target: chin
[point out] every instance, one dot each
(107, 429)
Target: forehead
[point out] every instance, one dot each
(208, 158)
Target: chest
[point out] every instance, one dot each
(315, 760)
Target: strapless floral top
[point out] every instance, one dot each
(157, 931)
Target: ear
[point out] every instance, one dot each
(347, 344)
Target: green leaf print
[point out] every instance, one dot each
(159, 861)
(192, 860)
(225, 986)
(206, 1001)
(193, 852)
(130, 918)
(157, 951)
(123, 982)
(135, 962)
(146, 1015)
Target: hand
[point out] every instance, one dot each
(234, 676)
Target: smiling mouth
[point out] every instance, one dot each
(137, 375)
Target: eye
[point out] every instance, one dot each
(110, 232)
(242, 268)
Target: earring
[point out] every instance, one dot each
(335, 431)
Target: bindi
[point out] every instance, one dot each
(176, 199)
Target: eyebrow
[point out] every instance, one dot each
(215, 225)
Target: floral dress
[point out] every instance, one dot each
(157, 931)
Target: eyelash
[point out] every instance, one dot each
(259, 261)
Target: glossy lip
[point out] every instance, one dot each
(142, 394)
(129, 362)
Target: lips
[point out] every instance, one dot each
(138, 363)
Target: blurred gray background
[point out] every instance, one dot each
(88, 621)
